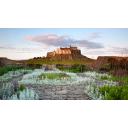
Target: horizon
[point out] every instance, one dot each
(27, 43)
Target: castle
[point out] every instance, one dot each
(65, 53)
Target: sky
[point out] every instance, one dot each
(26, 43)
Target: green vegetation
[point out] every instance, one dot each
(74, 68)
(122, 80)
(22, 87)
(54, 76)
(41, 61)
(104, 78)
(6, 69)
(119, 92)
(114, 92)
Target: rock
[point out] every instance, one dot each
(67, 53)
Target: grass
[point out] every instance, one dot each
(122, 80)
(74, 68)
(52, 76)
(6, 69)
(21, 87)
(114, 92)
(119, 92)
(41, 61)
(104, 78)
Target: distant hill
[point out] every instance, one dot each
(103, 63)
(5, 61)
(68, 55)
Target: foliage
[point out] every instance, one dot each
(74, 68)
(54, 76)
(122, 80)
(13, 74)
(22, 87)
(114, 92)
(6, 69)
(104, 77)
(41, 61)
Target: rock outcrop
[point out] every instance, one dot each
(70, 53)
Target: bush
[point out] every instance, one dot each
(54, 76)
(74, 68)
(22, 87)
(6, 69)
(104, 78)
(114, 92)
(121, 80)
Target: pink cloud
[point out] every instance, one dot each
(55, 40)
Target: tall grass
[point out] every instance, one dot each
(74, 68)
(6, 69)
(114, 92)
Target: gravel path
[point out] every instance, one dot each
(67, 92)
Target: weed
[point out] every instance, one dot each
(22, 87)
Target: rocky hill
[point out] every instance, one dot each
(111, 63)
(5, 61)
(67, 53)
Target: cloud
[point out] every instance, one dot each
(118, 50)
(6, 47)
(20, 49)
(94, 35)
(62, 41)
(89, 44)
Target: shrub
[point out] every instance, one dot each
(104, 78)
(74, 68)
(114, 92)
(22, 87)
(6, 69)
(121, 80)
(53, 76)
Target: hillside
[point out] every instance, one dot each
(56, 61)
(5, 61)
(110, 63)
(68, 55)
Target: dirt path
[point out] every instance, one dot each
(67, 92)
(49, 92)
